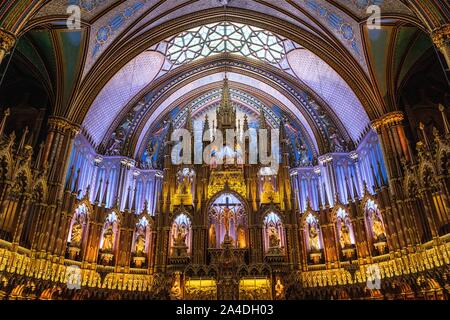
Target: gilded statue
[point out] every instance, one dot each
(108, 239)
(345, 236)
(268, 187)
(241, 238)
(179, 238)
(212, 236)
(184, 186)
(140, 245)
(175, 291)
(279, 290)
(274, 238)
(378, 228)
(314, 238)
(226, 221)
(77, 230)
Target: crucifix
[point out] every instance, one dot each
(226, 218)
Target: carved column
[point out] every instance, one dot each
(58, 147)
(441, 38)
(393, 142)
(7, 41)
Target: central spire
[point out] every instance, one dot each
(226, 113)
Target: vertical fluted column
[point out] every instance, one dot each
(302, 246)
(58, 146)
(393, 143)
(441, 38)
(7, 41)
(329, 176)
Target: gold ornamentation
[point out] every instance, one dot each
(344, 237)
(176, 292)
(200, 289)
(279, 290)
(269, 194)
(392, 118)
(7, 40)
(108, 240)
(77, 230)
(314, 238)
(234, 180)
(63, 124)
(140, 245)
(441, 36)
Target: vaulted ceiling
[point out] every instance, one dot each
(136, 63)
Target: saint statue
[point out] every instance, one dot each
(378, 228)
(274, 238)
(108, 239)
(212, 236)
(268, 186)
(179, 238)
(151, 152)
(184, 185)
(279, 290)
(241, 238)
(345, 236)
(175, 291)
(314, 238)
(77, 230)
(140, 245)
(335, 142)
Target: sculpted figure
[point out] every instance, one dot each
(140, 245)
(314, 238)
(212, 236)
(345, 236)
(378, 228)
(241, 238)
(77, 230)
(108, 239)
(180, 236)
(279, 290)
(274, 238)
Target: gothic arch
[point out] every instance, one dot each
(104, 68)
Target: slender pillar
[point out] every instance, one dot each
(393, 142)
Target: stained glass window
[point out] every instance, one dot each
(226, 37)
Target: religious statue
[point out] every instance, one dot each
(226, 221)
(302, 152)
(335, 142)
(116, 142)
(150, 154)
(279, 290)
(108, 239)
(378, 228)
(268, 186)
(184, 184)
(274, 238)
(241, 243)
(345, 236)
(212, 236)
(175, 291)
(77, 230)
(140, 245)
(179, 239)
(314, 238)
